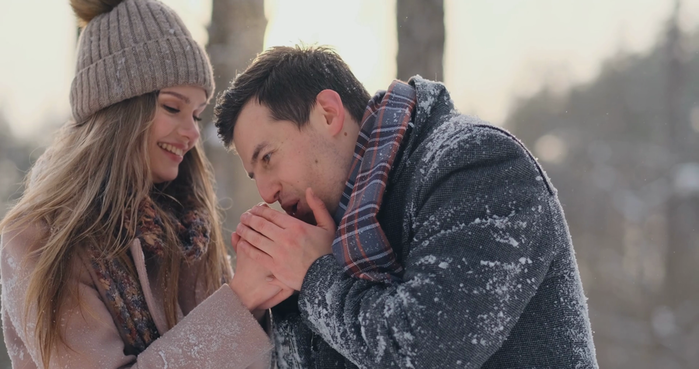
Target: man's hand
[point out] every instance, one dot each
(286, 245)
(254, 284)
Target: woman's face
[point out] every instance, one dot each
(175, 129)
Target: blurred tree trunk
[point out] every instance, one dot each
(420, 38)
(682, 217)
(236, 36)
(675, 315)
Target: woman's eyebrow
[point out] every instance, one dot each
(177, 95)
(182, 97)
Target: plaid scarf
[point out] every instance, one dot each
(360, 244)
(124, 294)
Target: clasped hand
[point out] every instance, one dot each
(283, 244)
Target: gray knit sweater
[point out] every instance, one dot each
(490, 274)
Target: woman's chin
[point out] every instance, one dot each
(159, 178)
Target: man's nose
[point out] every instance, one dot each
(269, 191)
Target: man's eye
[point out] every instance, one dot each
(266, 158)
(171, 109)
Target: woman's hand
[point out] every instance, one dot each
(255, 285)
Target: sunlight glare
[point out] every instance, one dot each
(362, 32)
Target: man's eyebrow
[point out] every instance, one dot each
(255, 156)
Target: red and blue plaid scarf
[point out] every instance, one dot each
(360, 244)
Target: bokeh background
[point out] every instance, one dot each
(605, 93)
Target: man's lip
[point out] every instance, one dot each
(290, 207)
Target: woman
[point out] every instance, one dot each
(113, 257)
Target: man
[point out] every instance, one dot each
(451, 249)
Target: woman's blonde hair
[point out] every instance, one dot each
(81, 188)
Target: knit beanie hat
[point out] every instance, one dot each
(129, 48)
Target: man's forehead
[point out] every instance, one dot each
(246, 126)
(250, 122)
(254, 110)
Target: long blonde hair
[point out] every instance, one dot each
(82, 187)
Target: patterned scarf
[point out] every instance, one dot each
(124, 293)
(360, 244)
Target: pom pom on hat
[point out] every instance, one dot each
(86, 10)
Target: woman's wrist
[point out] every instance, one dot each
(259, 314)
(237, 289)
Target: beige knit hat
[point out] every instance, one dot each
(129, 48)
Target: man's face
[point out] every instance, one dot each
(284, 160)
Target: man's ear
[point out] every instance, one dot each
(333, 111)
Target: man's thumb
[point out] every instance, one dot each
(320, 212)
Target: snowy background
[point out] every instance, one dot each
(606, 95)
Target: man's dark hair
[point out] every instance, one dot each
(287, 80)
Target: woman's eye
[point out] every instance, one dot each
(171, 109)
(266, 158)
(196, 119)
